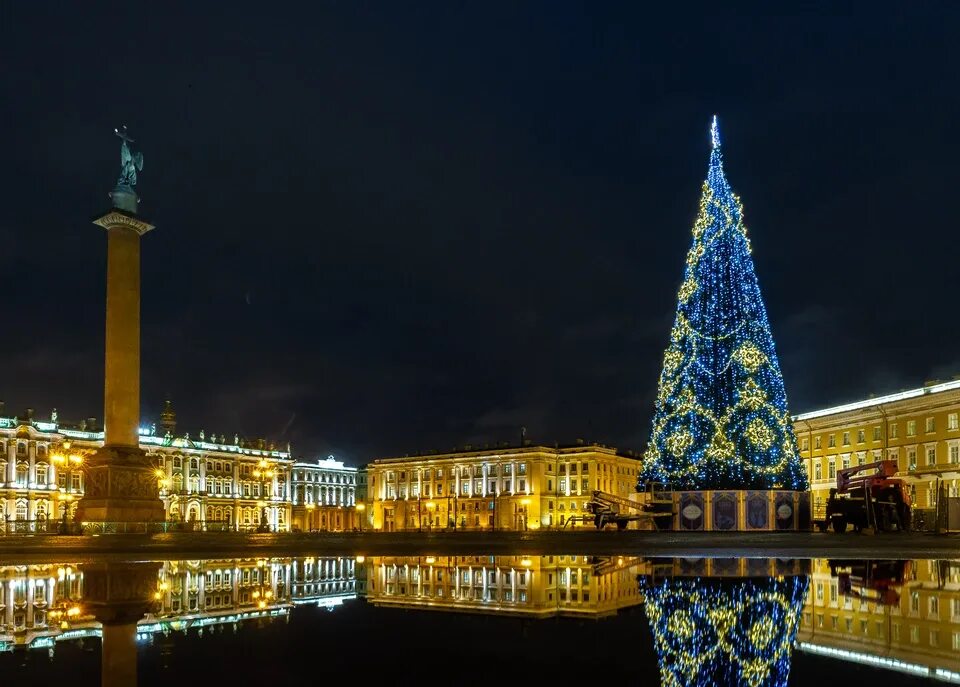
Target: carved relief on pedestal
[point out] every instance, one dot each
(133, 483)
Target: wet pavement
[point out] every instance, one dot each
(766, 544)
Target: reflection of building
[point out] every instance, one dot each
(505, 488)
(915, 629)
(189, 594)
(207, 480)
(919, 428)
(513, 585)
(324, 496)
(726, 631)
(326, 582)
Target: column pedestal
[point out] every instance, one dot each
(120, 487)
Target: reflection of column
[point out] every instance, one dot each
(118, 595)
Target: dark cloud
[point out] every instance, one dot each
(386, 228)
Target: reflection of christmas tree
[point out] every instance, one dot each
(721, 418)
(724, 632)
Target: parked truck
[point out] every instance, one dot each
(867, 496)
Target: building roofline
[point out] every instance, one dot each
(496, 452)
(879, 400)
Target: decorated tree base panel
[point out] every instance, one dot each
(742, 510)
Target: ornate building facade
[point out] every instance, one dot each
(204, 481)
(506, 488)
(325, 496)
(918, 428)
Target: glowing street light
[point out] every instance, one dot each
(264, 472)
(360, 508)
(68, 461)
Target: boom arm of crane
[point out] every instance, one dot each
(850, 478)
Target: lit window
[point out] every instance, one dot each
(876, 433)
(846, 438)
(930, 425)
(932, 455)
(952, 422)
(911, 428)
(893, 431)
(805, 444)
(832, 469)
(831, 440)
(955, 454)
(861, 436)
(817, 470)
(816, 442)
(911, 459)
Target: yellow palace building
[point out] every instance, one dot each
(918, 428)
(517, 488)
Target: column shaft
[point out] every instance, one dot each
(122, 368)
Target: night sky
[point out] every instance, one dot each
(391, 227)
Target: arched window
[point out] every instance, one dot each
(41, 474)
(21, 449)
(21, 509)
(209, 512)
(41, 510)
(194, 513)
(41, 450)
(194, 464)
(22, 472)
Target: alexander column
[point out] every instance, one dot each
(120, 485)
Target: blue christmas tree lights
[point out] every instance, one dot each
(724, 632)
(721, 419)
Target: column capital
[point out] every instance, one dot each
(119, 218)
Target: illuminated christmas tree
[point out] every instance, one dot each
(721, 417)
(724, 632)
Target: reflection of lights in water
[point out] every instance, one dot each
(724, 631)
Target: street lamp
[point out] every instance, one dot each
(430, 506)
(360, 508)
(264, 472)
(163, 484)
(68, 462)
(310, 508)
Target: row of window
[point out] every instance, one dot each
(467, 488)
(929, 452)
(325, 477)
(22, 449)
(930, 426)
(426, 473)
